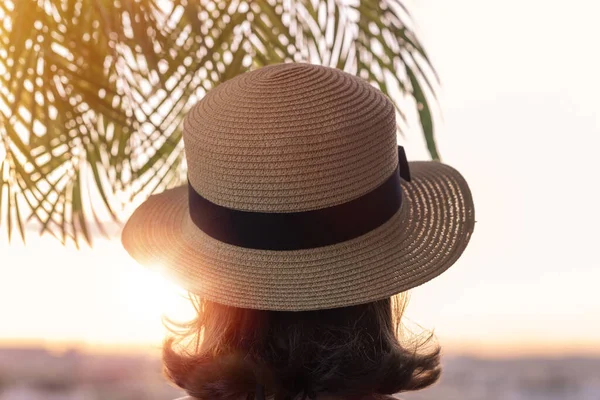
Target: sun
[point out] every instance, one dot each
(149, 291)
(144, 295)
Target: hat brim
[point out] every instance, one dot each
(423, 239)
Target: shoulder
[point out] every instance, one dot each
(376, 397)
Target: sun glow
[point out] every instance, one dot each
(149, 291)
(96, 297)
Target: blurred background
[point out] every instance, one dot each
(93, 128)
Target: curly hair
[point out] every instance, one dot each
(352, 352)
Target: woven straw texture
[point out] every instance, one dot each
(297, 137)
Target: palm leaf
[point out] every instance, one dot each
(93, 92)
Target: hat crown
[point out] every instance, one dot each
(290, 137)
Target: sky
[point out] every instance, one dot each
(520, 119)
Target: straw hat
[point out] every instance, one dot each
(300, 198)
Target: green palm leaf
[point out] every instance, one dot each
(92, 92)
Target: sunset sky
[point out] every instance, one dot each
(521, 120)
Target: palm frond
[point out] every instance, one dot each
(93, 92)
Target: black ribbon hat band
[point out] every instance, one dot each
(304, 229)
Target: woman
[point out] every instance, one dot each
(300, 227)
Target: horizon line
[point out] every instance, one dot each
(450, 348)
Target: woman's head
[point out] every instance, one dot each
(299, 193)
(350, 352)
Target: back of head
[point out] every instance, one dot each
(353, 352)
(300, 201)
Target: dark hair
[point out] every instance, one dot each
(351, 352)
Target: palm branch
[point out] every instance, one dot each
(92, 92)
